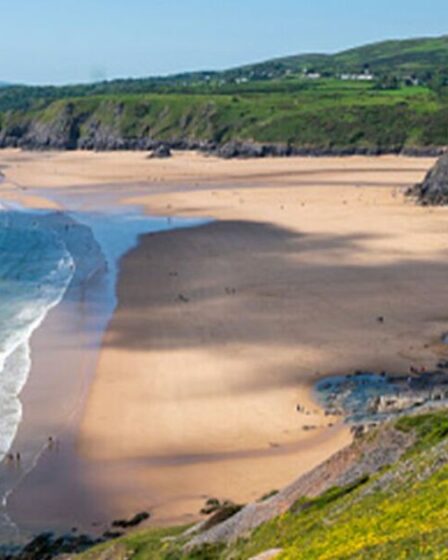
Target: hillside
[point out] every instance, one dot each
(419, 57)
(384, 497)
(324, 117)
(272, 108)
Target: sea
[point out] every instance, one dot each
(35, 270)
(44, 257)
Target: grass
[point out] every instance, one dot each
(429, 428)
(424, 58)
(323, 115)
(327, 497)
(353, 526)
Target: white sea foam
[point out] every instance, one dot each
(40, 254)
(35, 271)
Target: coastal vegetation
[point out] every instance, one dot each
(385, 496)
(385, 97)
(400, 511)
(321, 115)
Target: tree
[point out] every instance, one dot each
(387, 81)
(439, 81)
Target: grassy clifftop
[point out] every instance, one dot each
(403, 105)
(326, 115)
(398, 511)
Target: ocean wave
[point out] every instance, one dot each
(35, 271)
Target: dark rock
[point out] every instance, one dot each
(133, 522)
(229, 150)
(309, 428)
(366, 397)
(399, 403)
(39, 545)
(46, 546)
(162, 151)
(211, 505)
(357, 431)
(61, 133)
(423, 151)
(235, 149)
(434, 189)
(225, 511)
(109, 535)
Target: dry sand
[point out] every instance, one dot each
(222, 329)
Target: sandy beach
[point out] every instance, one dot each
(222, 329)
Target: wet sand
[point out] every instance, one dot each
(50, 496)
(221, 330)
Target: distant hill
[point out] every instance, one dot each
(421, 57)
(402, 57)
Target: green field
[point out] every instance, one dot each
(273, 102)
(323, 114)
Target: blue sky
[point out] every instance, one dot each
(61, 41)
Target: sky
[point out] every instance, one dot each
(70, 41)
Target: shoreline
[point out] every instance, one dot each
(229, 150)
(285, 227)
(178, 405)
(53, 399)
(63, 358)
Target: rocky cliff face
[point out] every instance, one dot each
(92, 124)
(434, 189)
(60, 133)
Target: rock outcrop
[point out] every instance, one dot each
(60, 133)
(365, 398)
(363, 458)
(162, 151)
(112, 125)
(372, 403)
(47, 546)
(434, 189)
